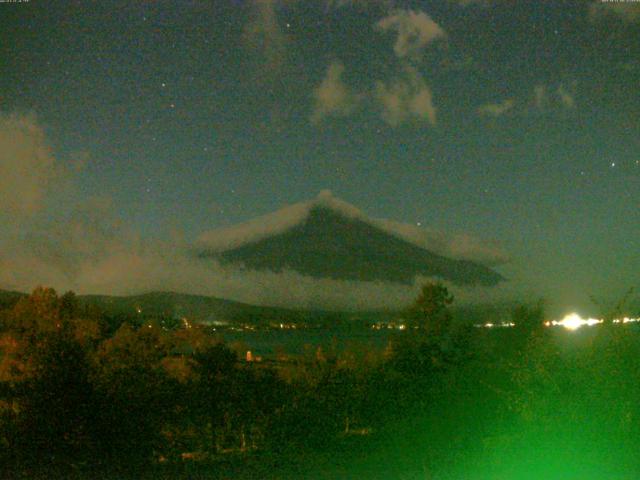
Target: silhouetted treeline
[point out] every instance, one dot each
(83, 395)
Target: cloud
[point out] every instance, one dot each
(496, 109)
(405, 97)
(467, 247)
(139, 268)
(566, 98)
(332, 97)
(563, 96)
(460, 246)
(628, 11)
(540, 96)
(415, 31)
(90, 231)
(168, 267)
(545, 99)
(264, 34)
(28, 168)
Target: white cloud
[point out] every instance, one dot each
(405, 97)
(130, 268)
(415, 31)
(136, 270)
(332, 97)
(496, 109)
(28, 168)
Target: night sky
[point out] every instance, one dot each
(517, 122)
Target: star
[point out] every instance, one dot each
(613, 164)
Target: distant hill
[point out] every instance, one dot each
(328, 238)
(203, 309)
(195, 307)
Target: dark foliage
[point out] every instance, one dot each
(81, 397)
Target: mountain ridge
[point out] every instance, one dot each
(328, 238)
(463, 247)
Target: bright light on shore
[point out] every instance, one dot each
(498, 325)
(626, 320)
(573, 321)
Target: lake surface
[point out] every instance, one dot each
(268, 343)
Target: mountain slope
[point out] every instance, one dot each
(339, 243)
(196, 307)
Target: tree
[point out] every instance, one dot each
(528, 318)
(430, 311)
(36, 314)
(215, 368)
(617, 310)
(69, 306)
(57, 402)
(134, 394)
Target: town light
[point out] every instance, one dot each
(573, 321)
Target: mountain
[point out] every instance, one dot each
(196, 307)
(206, 309)
(328, 238)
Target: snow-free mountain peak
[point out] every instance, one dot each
(329, 238)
